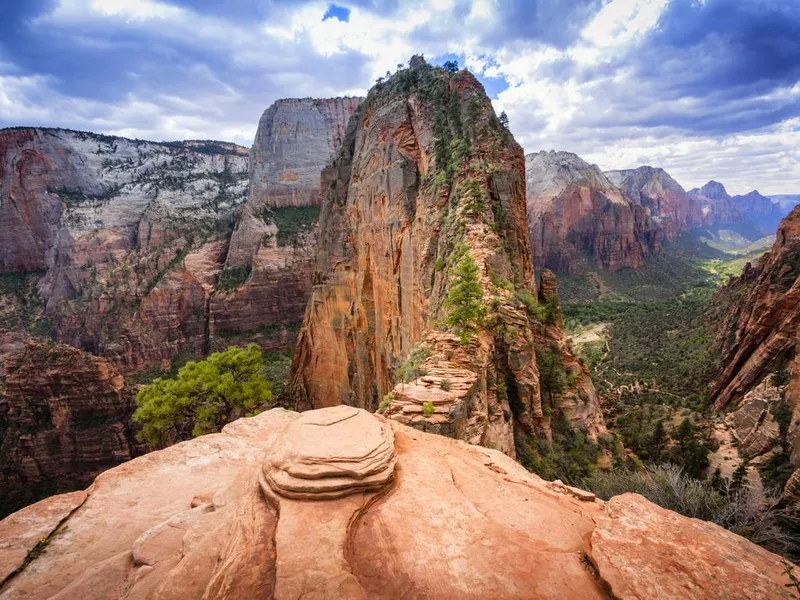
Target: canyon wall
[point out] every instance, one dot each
(427, 184)
(274, 240)
(579, 219)
(757, 320)
(64, 418)
(664, 199)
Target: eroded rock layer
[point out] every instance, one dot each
(758, 316)
(64, 418)
(274, 242)
(427, 181)
(578, 218)
(200, 520)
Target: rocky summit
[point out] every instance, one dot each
(427, 194)
(341, 503)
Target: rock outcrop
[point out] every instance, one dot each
(124, 237)
(664, 199)
(295, 140)
(427, 183)
(579, 219)
(208, 519)
(64, 418)
(758, 315)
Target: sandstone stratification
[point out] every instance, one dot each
(294, 142)
(427, 178)
(200, 520)
(758, 314)
(64, 418)
(577, 218)
(354, 454)
(664, 199)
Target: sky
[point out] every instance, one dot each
(707, 89)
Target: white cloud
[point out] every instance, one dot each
(574, 98)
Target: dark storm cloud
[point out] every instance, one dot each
(731, 57)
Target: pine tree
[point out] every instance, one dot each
(503, 118)
(465, 300)
(205, 396)
(657, 441)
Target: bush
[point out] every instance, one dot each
(428, 408)
(748, 512)
(410, 369)
(232, 278)
(204, 397)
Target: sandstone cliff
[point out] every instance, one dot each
(578, 218)
(428, 180)
(274, 239)
(64, 418)
(716, 205)
(341, 503)
(665, 200)
(124, 237)
(759, 313)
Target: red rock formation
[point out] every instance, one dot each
(63, 419)
(294, 142)
(577, 218)
(249, 513)
(758, 316)
(416, 188)
(716, 205)
(664, 199)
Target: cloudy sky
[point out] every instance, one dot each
(704, 88)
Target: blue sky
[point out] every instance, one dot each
(704, 88)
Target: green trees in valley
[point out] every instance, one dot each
(203, 397)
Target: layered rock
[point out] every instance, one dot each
(664, 199)
(758, 314)
(294, 142)
(716, 205)
(578, 218)
(107, 224)
(64, 418)
(427, 180)
(202, 520)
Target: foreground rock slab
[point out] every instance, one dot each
(211, 518)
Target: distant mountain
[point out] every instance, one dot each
(786, 201)
(664, 198)
(577, 218)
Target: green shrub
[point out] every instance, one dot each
(232, 278)
(428, 408)
(386, 402)
(292, 222)
(203, 397)
(410, 369)
(445, 385)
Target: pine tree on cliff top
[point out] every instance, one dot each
(465, 300)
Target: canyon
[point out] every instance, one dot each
(143, 255)
(581, 218)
